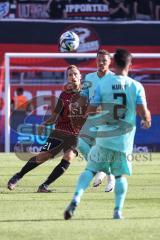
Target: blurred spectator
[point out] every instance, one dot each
(13, 1)
(131, 9)
(56, 9)
(20, 107)
(143, 9)
(95, 1)
(20, 102)
(119, 9)
(103, 2)
(157, 9)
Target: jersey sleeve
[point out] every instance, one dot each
(85, 90)
(59, 105)
(88, 84)
(96, 99)
(141, 96)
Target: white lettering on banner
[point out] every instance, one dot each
(34, 149)
(76, 8)
(23, 10)
(139, 149)
(88, 8)
(89, 46)
(83, 33)
(32, 10)
(70, 8)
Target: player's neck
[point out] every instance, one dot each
(101, 74)
(77, 88)
(122, 72)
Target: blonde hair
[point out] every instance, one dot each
(72, 67)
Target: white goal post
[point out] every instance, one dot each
(8, 57)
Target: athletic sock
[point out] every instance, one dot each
(121, 187)
(82, 184)
(57, 171)
(110, 177)
(31, 164)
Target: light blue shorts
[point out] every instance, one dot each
(106, 160)
(84, 146)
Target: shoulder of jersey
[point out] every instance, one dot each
(133, 81)
(112, 73)
(90, 75)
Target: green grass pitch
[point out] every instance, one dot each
(25, 214)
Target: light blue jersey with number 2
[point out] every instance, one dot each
(119, 97)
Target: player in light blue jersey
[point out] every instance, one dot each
(121, 99)
(103, 73)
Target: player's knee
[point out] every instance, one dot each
(84, 148)
(42, 157)
(70, 154)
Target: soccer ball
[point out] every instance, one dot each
(69, 41)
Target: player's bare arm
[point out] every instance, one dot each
(145, 115)
(49, 121)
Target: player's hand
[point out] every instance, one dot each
(145, 124)
(41, 129)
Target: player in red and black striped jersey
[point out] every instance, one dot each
(68, 117)
(71, 107)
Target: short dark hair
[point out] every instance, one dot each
(20, 90)
(122, 57)
(103, 52)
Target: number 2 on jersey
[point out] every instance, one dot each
(119, 109)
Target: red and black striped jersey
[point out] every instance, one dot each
(71, 107)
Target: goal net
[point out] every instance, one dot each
(42, 77)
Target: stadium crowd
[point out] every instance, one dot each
(86, 9)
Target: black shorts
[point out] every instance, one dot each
(59, 141)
